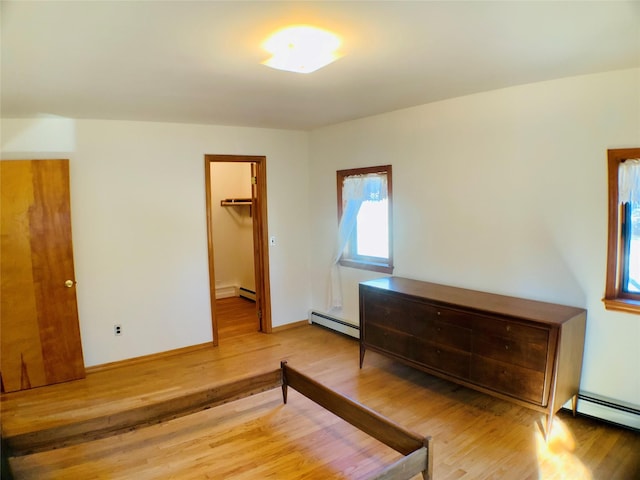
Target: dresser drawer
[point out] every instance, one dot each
(447, 334)
(390, 340)
(399, 314)
(520, 332)
(454, 317)
(412, 316)
(447, 360)
(513, 351)
(511, 380)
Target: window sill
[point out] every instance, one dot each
(622, 305)
(374, 267)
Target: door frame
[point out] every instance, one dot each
(260, 248)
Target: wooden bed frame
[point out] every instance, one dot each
(416, 450)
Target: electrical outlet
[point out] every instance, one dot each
(117, 330)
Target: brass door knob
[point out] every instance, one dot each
(68, 283)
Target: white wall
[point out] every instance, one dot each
(504, 191)
(139, 224)
(232, 226)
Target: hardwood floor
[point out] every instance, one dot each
(236, 316)
(475, 436)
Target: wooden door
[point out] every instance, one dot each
(39, 327)
(261, 241)
(257, 250)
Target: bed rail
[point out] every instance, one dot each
(416, 450)
(104, 426)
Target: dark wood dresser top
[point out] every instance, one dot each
(549, 313)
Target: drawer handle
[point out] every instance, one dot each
(506, 347)
(438, 313)
(508, 328)
(438, 351)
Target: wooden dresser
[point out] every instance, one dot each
(520, 350)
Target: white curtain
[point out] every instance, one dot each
(356, 189)
(629, 181)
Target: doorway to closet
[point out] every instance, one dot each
(238, 245)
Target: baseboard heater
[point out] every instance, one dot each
(246, 293)
(611, 411)
(334, 323)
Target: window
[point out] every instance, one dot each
(364, 212)
(622, 290)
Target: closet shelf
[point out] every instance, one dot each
(233, 202)
(237, 202)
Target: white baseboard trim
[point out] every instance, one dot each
(226, 292)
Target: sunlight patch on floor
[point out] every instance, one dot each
(556, 459)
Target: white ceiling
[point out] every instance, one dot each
(199, 61)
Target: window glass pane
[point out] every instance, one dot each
(364, 208)
(373, 229)
(633, 283)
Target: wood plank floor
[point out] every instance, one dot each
(236, 316)
(475, 436)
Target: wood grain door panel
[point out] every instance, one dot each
(40, 331)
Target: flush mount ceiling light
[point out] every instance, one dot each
(301, 49)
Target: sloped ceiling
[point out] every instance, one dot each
(199, 61)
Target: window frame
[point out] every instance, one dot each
(364, 262)
(615, 297)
